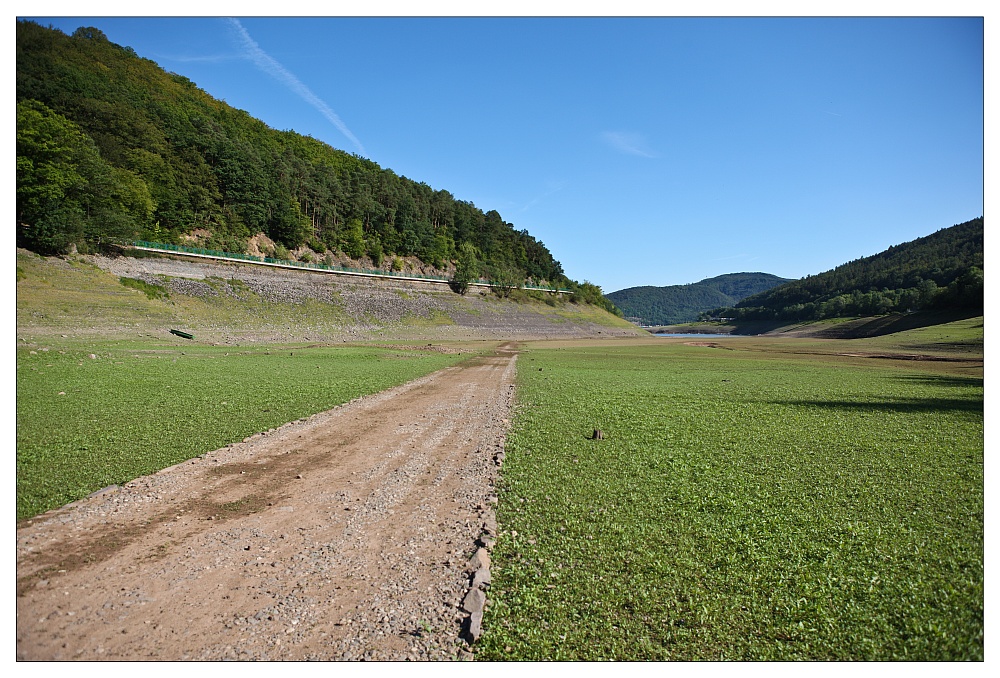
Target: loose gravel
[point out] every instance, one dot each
(354, 534)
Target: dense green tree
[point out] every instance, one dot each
(353, 242)
(589, 293)
(288, 225)
(466, 268)
(373, 245)
(66, 194)
(505, 279)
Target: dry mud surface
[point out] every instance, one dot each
(344, 536)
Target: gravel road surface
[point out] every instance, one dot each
(344, 536)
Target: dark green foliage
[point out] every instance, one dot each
(66, 193)
(683, 303)
(466, 269)
(589, 293)
(941, 271)
(375, 252)
(353, 242)
(505, 279)
(166, 158)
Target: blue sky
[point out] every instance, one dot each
(641, 151)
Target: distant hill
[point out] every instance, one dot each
(683, 303)
(941, 271)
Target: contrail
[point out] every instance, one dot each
(628, 142)
(267, 64)
(553, 188)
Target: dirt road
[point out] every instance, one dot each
(343, 536)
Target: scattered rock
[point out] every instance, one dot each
(474, 601)
(479, 560)
(371, 306)
(481, 578)
(472, 628)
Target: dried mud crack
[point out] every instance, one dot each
(353, 534)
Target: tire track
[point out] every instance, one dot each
(343, 536)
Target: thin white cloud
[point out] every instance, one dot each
(629, 143)
(558, 186)
(266, 63)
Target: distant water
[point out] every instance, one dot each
(694, 335)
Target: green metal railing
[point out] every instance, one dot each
(268, 261)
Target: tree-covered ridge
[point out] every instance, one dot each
(683, 303)
(111, 146)
(943, 270)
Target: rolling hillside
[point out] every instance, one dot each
(683, 303)
(941, 271)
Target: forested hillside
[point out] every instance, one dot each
(943, 270)
(110, 147)
(683, 303)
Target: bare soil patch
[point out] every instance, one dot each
(343, 536)
(705, 344)
(911, 356)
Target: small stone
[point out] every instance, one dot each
(474, 601)
(481, 578)
(474, 627)
(479, 560)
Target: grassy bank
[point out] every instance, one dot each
(92, 414)
(748, 502)
(230, 304)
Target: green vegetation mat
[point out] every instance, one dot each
(745, 504)
(85, 423)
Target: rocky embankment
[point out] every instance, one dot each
(328, 307)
